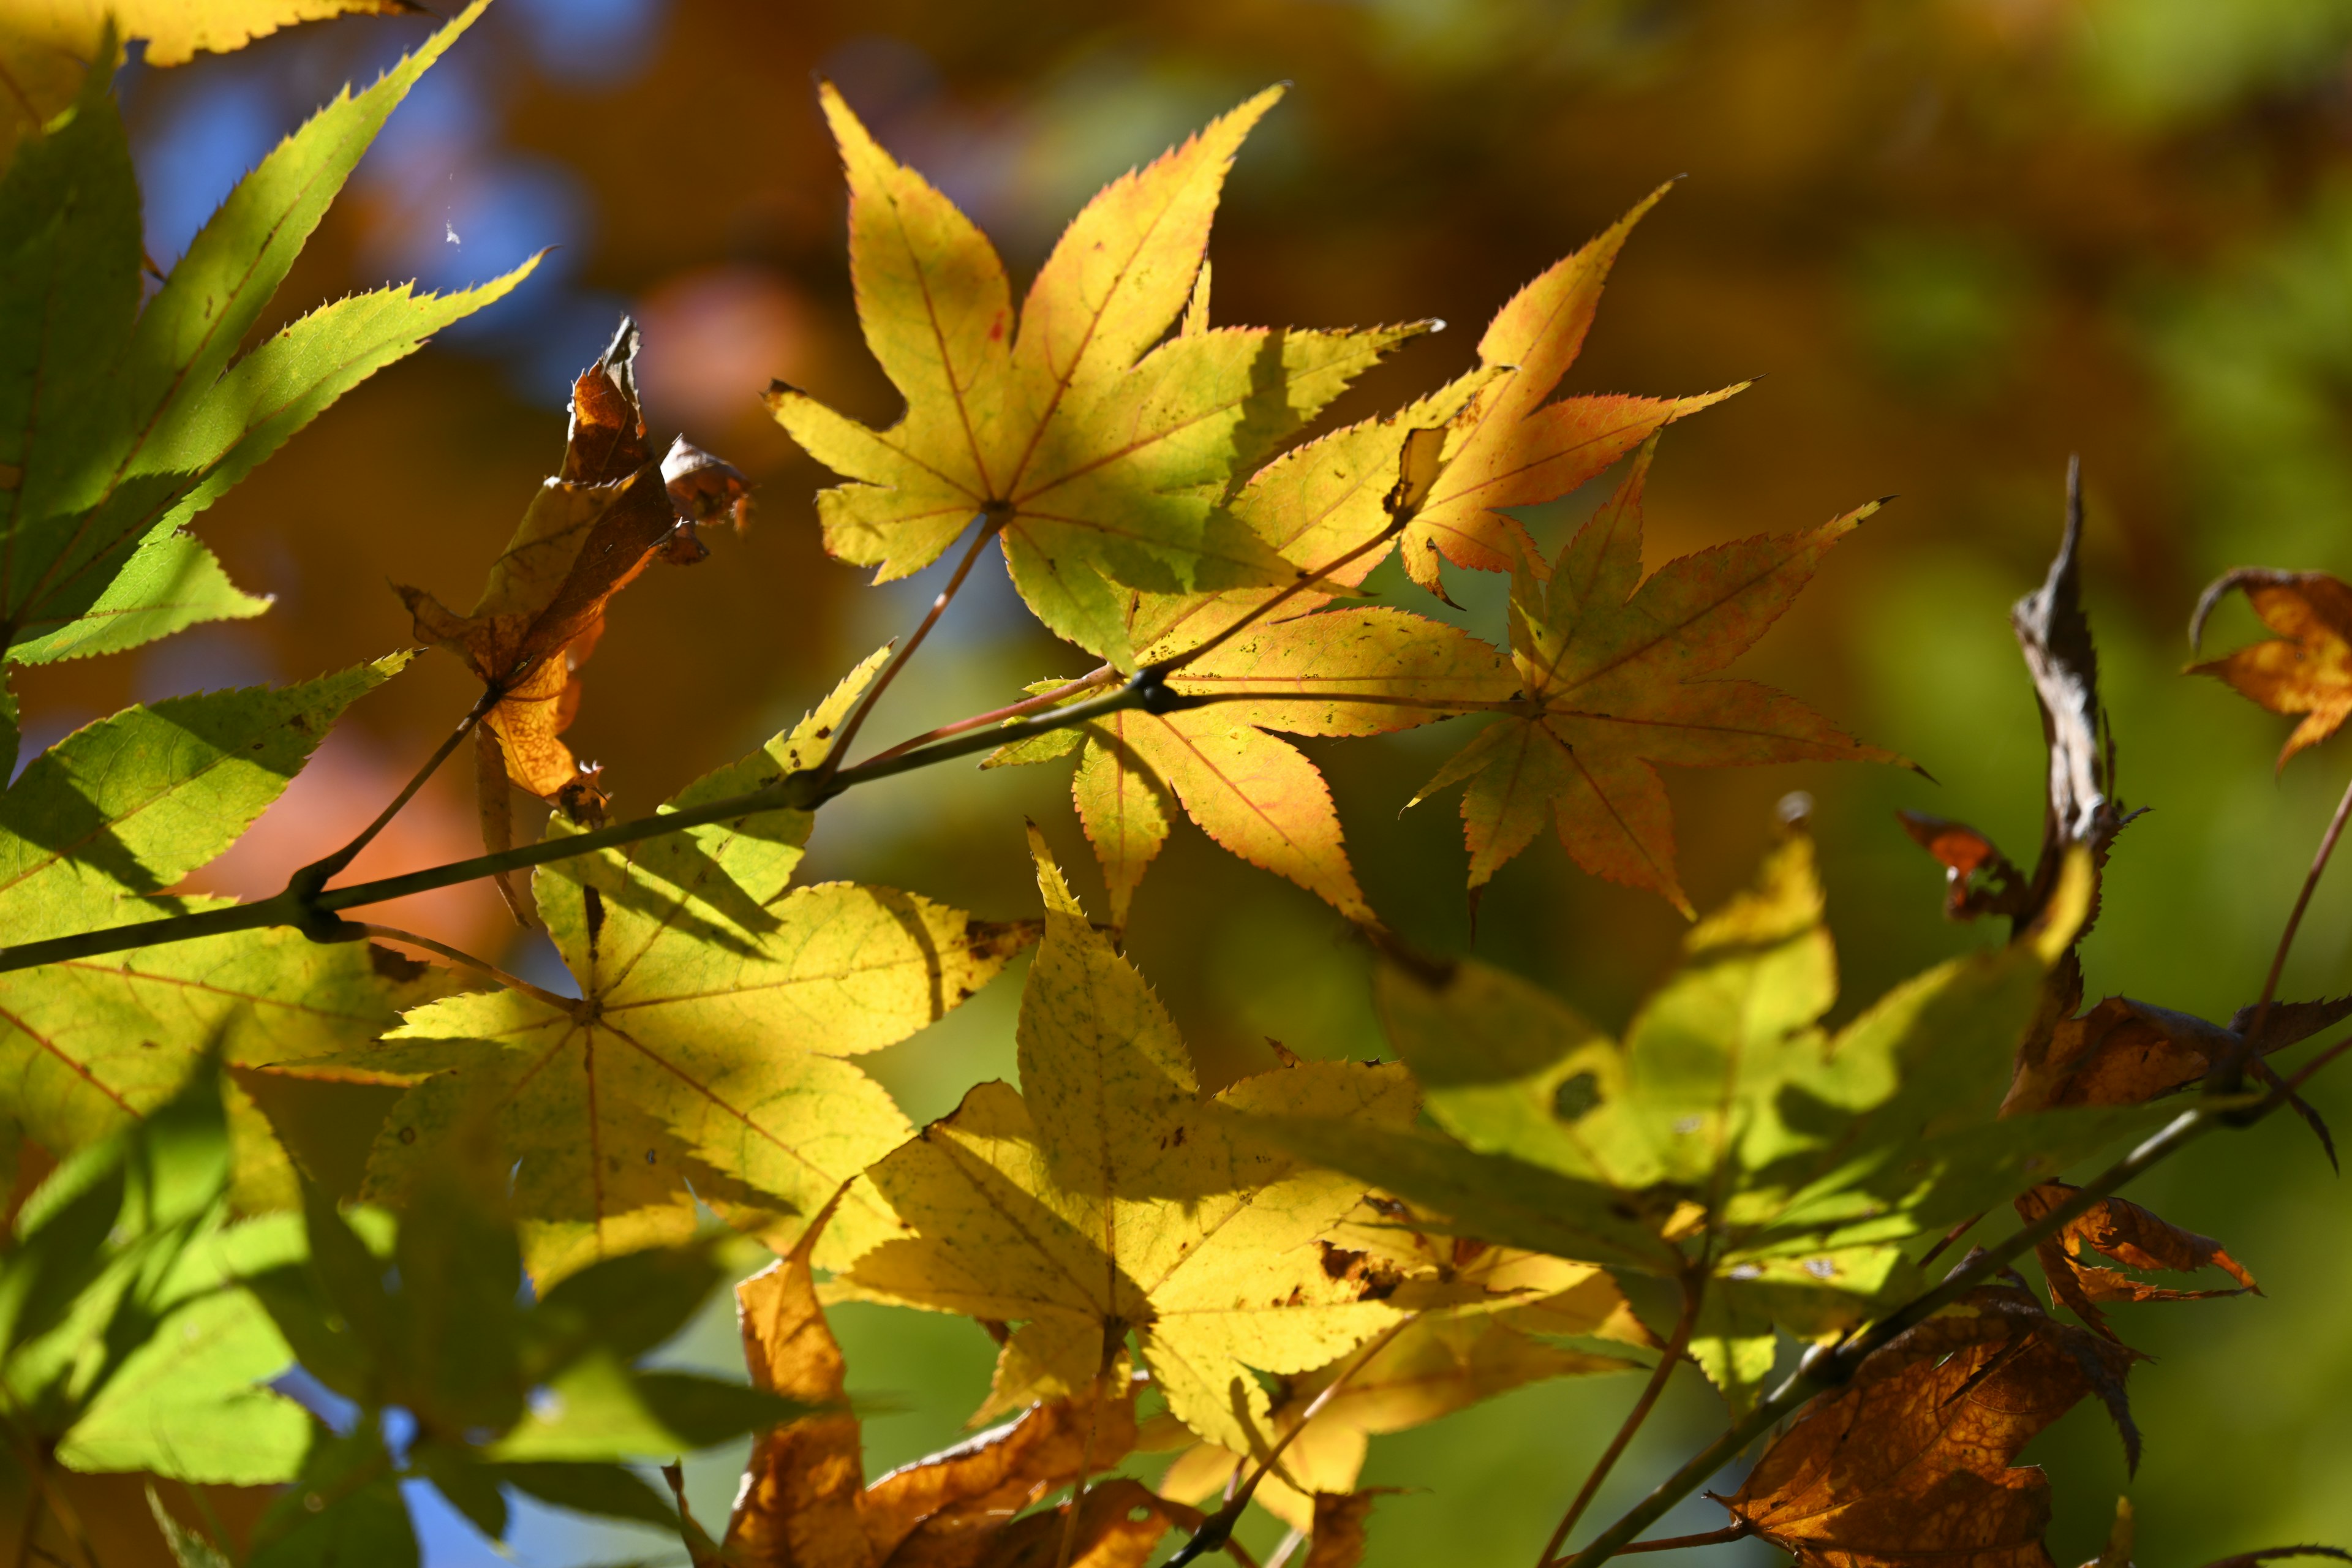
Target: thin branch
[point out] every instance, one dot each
(2294, 918)
(318, 913)
(459, 955)
(1729, 1533)
(1827, 1367)
(1114, 1340)
(318, 871)
(1307, 582)
(1099, 675)
(990, 522)
(1694, 1292)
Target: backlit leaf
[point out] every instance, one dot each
(1107, 1196)
(1101, 453)
(707, 1058)
(1613, 665)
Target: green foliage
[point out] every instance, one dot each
(126, 1342)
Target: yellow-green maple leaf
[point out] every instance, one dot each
(1107, 1195)
(707, 1056)
(1103, 454)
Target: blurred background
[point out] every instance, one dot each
(1957, 240)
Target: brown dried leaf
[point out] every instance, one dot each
(804, 1501)
(1337, 1540)
(586, 535)
(1910, 1462)
(2128, 1234)
(2123, 1052)
(2308, 667)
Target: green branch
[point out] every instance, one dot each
(317, 911)
(1828, 1367)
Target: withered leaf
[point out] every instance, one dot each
(2123, 1052)
(1337, 1540)
(1911, 1462)
(2124, 1233)
(586, 535)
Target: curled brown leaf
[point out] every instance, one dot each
(2124, 1233)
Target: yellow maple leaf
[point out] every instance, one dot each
(1107, 1195)
(1101, 455)
(706, 1057)
(1457, 1354)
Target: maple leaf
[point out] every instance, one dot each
(1336, 1537)
(1910, 1463)
(1454, 1354)
(1099, 454)
(1511, 447)
(804, 1499)
(706, 1055)
(2308, 667)
(1107, 1195)
(2125, 1232)
(92, 834)
(107, 452)
(1610, 665)
(2122, 1052)
(587, 534)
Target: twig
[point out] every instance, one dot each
(318, 871)
(318, 913)
(1827, 1367)
(1694, 1292)
(991, 522)
(1705, 1538)
(459, 955)
(1309, 581)
(2294, 918)
(1098, 676)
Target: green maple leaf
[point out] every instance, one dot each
(1728, 1132)
(706, 1057)
(119, 425)
(90, 835)
(1102, 454)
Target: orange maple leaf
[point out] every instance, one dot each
(1610, 666)
(1910, 1462)
(1512, 445)
(2308, 667)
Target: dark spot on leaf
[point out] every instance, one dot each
(408, 1134)
(593, 908)
(825, 732)
(396, 967)
(1576, 1095)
